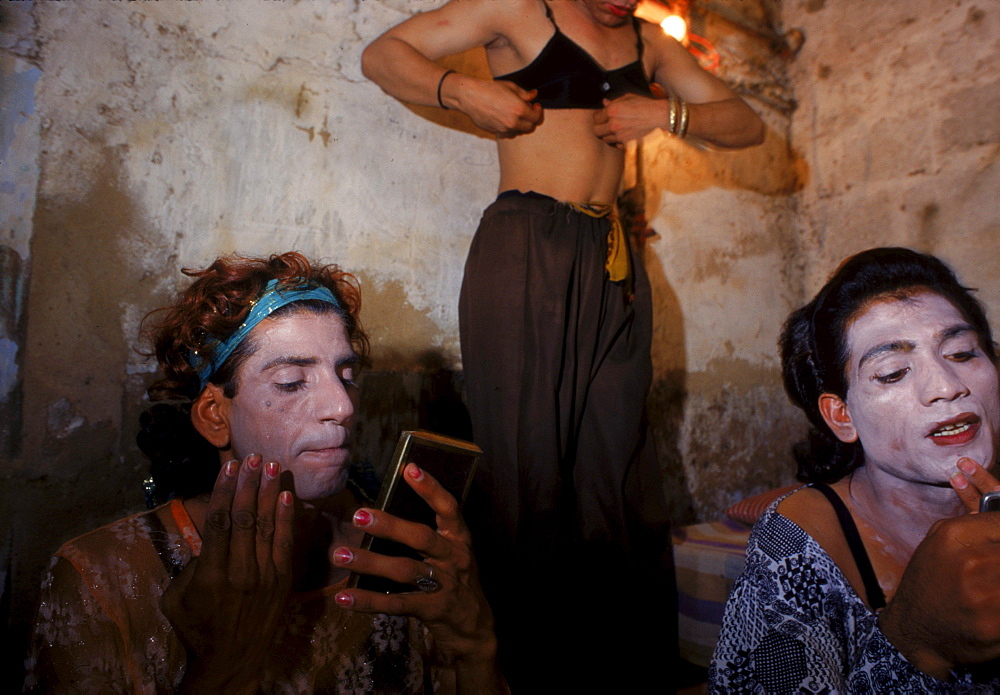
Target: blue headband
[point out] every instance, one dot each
(271, 300)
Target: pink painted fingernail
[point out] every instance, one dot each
(253, 461)
(231, 468)
(271, 470)
(344, 600)
(363, 518)
(285, 498)
(413, 470)
(342, 556)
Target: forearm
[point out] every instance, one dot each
(403, 72)
(727, 123)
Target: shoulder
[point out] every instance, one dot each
(460, 25)
(127, 529)
(137, 538)
(661, 46)
(507, 14)
(813, 513)
(809, 509)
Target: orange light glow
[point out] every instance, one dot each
(674, 25)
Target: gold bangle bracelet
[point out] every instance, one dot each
(682, 129)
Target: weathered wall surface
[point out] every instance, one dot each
(725, 275)
(899, 124)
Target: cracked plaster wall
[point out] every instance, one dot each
(899, 124)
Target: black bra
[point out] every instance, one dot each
(567, 77)
(876, 597)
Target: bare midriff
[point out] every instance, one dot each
(562, 158)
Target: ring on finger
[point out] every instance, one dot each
(427, 583)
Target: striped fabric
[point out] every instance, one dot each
(708, 558)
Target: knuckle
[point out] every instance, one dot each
(449, 508)
(244, 520)
(423, 538)
(464, 562)
(218, 520)
(395, 604)
(265, 527)
(285, 543)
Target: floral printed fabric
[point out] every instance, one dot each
(794, 624)
(100, 629)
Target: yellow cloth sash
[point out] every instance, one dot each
(617, 262)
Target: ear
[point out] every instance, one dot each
(838, 418)
(210, 416)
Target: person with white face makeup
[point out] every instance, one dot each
(239, 583)
(880, 576)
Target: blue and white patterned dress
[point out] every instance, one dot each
(794, 624)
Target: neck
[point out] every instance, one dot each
(901, 511)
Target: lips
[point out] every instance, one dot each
(326, 446)
(618, 10)
(958, 430)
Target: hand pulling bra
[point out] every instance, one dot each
(567, 77)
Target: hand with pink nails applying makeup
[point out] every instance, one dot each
(242, 577)
(233, 584)
(971, 481)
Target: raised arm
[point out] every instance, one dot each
(401, 62)
(716, 114)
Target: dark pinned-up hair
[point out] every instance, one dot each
(211, 308)
(814, 350)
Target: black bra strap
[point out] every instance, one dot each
(638, 35)
(548, 13)
(876, 598)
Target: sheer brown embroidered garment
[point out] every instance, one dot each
(100, 629)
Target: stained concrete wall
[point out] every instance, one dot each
(899, 125)
(725, 275)
(137, 137)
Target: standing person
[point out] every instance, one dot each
(239, 583)
(555, 312)
(876, 578)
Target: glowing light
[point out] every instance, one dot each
(674, 25)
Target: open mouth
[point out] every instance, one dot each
(958, 430)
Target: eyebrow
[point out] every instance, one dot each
(290, 360)
(909, 345)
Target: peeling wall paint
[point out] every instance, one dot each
(899, 119)
(19, 146)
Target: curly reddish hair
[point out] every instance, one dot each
(218, 301)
